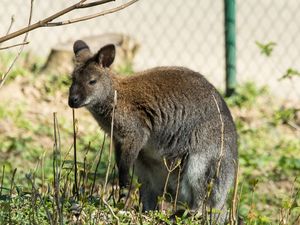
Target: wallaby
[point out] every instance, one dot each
(164, 113)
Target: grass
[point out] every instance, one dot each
(37, 175)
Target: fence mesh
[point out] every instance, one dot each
(186, 33)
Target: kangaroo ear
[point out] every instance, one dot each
(82, 51)
(106, 55)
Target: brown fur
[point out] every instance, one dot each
(164, 112)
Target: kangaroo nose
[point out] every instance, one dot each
(73, 101)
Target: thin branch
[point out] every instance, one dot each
(177, 189)
(97, 165)
(2, 178)
(15, 45)
(111, 143)
(47, 21)
(293, 125)
(170, 169)
(211, 184)
(105, 12)
(85, 169)
(12, 20)
(75, 154)
(4, 76)
(12, 181)
(233, 208)
(57, 168)
(40, 23)
(111, 211)
(222, 138)
(92, 4)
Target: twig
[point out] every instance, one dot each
(286, 213)
(233, 208)
(85, 170)
(75, 154)
(42, 201)
(170, 170)
(15, 45)
(57, 168)
(113, 185)
(111, 210)
(218, 165)
(222, 138)
(66, 155)
(33, 212)
(43, 170)
(12, 181)
(98, 163)
(293, 125)
(2, 179)
(12, 20)
(177, 189)
(4, 76)
(40, 23)
(83, 18)
(111, 142)
(47, 21)
(92, 4)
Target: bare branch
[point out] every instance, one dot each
(48, 21)
(97, 165)
(4, 76)
(177, 189)
(40, 23)
(75, 130)
(92, 4)
(15, 45)
(12, 20)
(105, 12)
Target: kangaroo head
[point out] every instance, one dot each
(91, 81)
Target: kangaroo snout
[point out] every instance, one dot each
(77, 96)
(74, 101)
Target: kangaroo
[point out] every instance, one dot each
(161, 113)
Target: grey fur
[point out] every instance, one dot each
(164, 112)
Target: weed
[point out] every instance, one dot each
(246, 95)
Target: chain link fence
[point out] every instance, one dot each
(186, 33)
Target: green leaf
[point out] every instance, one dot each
(266, 49)
(290, 73)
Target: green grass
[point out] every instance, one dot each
(269, 161)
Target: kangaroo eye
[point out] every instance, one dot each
(92, 82)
